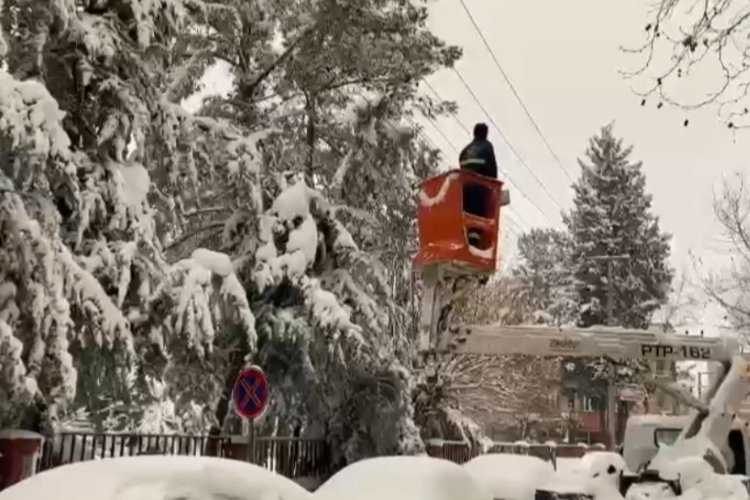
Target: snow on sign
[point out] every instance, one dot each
(250, 393)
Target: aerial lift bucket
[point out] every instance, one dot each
(459, 240)
(459, 222)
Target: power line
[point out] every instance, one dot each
(518, 226)
(515, 92)
(466, 129)
(521, 225)
(510, 146)
(524, 225)
(443, 134)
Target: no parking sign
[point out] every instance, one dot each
(250, 393)
(250, 397)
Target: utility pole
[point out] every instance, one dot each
(610, 307)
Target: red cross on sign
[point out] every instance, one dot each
(250, 393)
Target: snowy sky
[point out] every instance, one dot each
(563, 58)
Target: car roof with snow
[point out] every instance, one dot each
(402, 478)
(157, 478)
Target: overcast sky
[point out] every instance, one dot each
(563, 58)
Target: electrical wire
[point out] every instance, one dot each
(515, 92)
(505, 139)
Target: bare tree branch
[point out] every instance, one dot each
(714, 38)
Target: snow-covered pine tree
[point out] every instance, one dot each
(612, 217)
(82, 111)
(328, 329)
(545, 276)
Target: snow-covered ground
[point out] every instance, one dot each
(493, 476)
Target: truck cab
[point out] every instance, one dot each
(644, 434)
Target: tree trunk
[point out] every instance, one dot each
(310, 138)
(222, 408)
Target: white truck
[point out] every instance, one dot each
(645, 434)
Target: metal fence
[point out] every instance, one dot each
(292, 457)
(289, 456)
(461, 452)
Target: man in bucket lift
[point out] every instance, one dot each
(478, 157)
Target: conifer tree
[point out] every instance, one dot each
(545, 281)
(611, 224)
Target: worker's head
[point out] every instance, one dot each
(480, 131)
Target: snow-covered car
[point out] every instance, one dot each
(509, 477)
(157, 478)
(402, 478)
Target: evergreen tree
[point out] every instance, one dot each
(612, 218)
(545, 277)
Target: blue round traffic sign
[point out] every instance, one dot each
(250, 393)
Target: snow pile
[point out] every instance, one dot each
(157, 478)
(290, 214)
(697, 480)
(134, 183)
(218, 263)
(507, 476)
(596, 473)
(402, 478)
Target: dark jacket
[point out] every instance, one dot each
(479, 157)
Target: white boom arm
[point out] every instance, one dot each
(616, 343)
(705, 435)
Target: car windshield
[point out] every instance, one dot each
(666, 436)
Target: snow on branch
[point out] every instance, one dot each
(16, 386)
(30, 126)
(206, 293)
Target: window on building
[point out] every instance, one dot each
(589, 403)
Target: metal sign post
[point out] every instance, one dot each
(250, 396)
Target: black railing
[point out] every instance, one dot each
(291, 457)
(461, 452)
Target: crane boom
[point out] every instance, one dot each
(616, 343)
